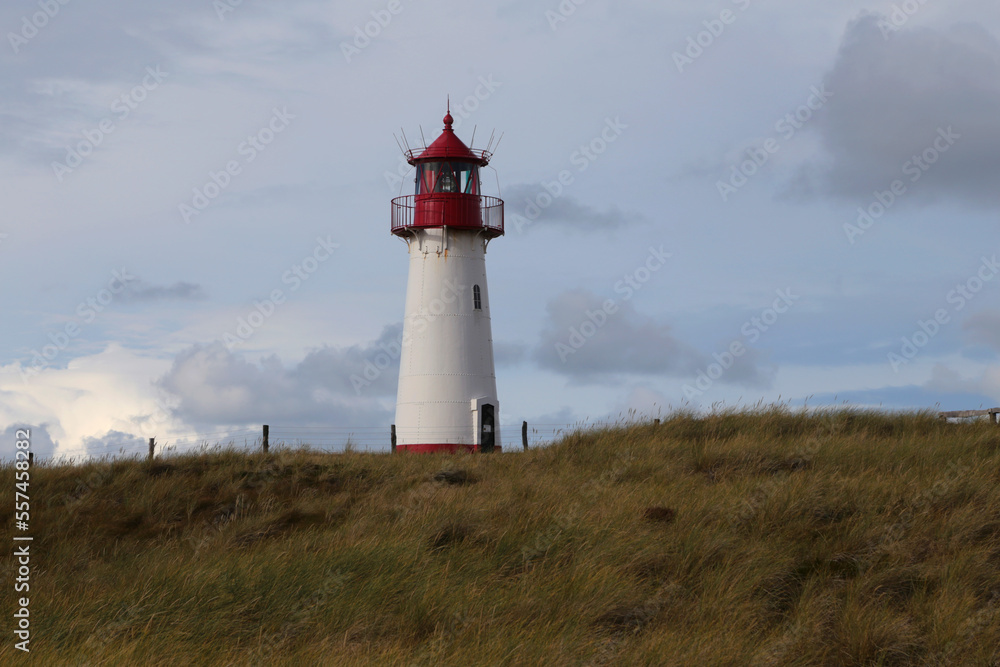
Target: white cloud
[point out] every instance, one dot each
(110, 390)
(216, 386)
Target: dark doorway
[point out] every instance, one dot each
(486, 428)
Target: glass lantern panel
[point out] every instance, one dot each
(461, 177)
(446, 180)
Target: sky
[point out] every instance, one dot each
(707, 204)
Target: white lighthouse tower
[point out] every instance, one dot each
(447, 397)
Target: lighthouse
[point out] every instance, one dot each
(447, 396)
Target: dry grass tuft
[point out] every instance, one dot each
(658, 514)
(455, 477)
(761, 537)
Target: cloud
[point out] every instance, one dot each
(946, 389)
(581, 340)
(42, 444)
(893, 92)
(45, 92)
(374, 366)
(217, 387)
(509, 354)
(50, 94)
(137, 292)
(983, 328)
(526, 200)
(930, 396)
(641, 402)
(92, 394)
(981, 392)
(564, 416)
(115, 443)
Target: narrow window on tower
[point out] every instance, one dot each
(477, 299)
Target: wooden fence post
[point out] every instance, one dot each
(265, 438)
(392, 438)
(152, 447)
(31, 459)
(524, 435)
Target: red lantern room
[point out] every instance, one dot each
(448, 190)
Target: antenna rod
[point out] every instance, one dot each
(473, 142)
(422, 135)
(406, 141)
(498, 142)
(398, 144)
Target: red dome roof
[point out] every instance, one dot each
(448, 147)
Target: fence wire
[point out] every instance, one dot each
(333, 439)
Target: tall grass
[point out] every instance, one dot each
(761, 537)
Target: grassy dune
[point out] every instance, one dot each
(753, 538)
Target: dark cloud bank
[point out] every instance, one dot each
(894, 94)
(585, 342)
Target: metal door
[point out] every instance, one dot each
(486, 428)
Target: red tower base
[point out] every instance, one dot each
(443, 448)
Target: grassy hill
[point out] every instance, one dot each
(756, 538)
